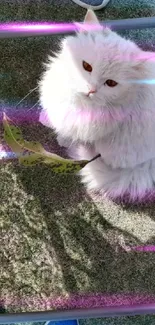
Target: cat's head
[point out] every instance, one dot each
(101, 65)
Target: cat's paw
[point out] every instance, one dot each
(81, 152)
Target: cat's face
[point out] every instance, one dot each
(100, 67)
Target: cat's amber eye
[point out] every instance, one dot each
(87, 66)
(111, 83)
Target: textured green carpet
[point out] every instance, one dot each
(55, 239)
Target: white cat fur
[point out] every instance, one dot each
(118, 122)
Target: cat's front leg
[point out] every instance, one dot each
(79, 151)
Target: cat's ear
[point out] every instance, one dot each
(90, 22)
(91, 18)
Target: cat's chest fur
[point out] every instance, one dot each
(131, 143)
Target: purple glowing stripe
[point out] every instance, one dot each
(147, 248)
(79, 301)
(34, 115)
(45, 28)
(78, 307)
(21, 116)
(40, 28)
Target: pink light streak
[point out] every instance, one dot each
(46, 28)
(26, 29)
(147, 248)
(26, 115)
(38, 26)
(77, 301)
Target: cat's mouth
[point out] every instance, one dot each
(90, 96)
(82, 100)
(91, 93)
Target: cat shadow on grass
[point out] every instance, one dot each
(146, 206)
(88, 247)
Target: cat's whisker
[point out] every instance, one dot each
(30, 92)
(33, 106)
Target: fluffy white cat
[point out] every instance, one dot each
(98, 93)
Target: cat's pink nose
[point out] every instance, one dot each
(91, 91)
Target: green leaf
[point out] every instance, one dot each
(14, 138)
(12, 135)
(33, 153)
(31, 159)
(58, 165)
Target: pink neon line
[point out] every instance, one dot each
(53, 28)
(147, 248)
(36, 26)
(75, 301)
(43, 26)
